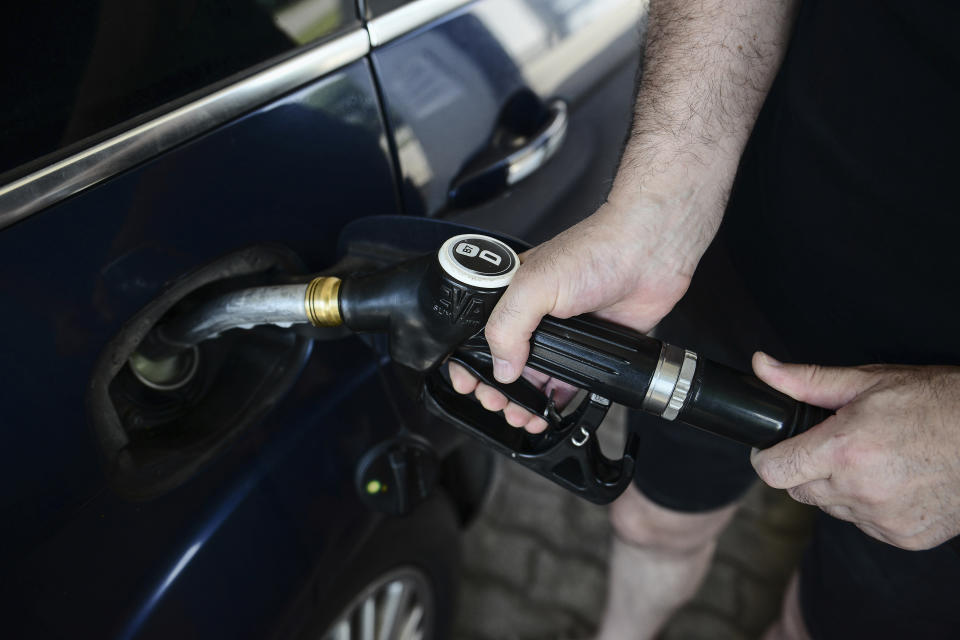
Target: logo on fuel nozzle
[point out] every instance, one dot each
(479, 261)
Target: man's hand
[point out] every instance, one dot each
(630, 267)
(888, 461)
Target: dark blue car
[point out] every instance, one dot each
(152, 152)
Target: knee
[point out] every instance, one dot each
(640, 522)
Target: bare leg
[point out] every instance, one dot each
(790, 626)
(658, 560)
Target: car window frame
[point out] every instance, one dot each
(48, 180)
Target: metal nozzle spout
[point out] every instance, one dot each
(165, 373)
(282, 305)
(167, 357)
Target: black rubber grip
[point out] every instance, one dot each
(742, 407)
(607, 359)
(618, 363)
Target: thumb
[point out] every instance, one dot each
(828, 387)
(513, 321)
(797, 460)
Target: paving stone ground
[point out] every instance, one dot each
(535, 563)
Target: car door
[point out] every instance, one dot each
(506, 114)
(146, 144)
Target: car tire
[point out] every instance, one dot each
(404, 575)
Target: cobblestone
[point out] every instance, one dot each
(535, 563)
(575, 583)
(506, 555)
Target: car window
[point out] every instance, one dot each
(379, 7)
(76, 68)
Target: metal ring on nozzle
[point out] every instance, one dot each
(322, 302)
(670, 382)
(664, 379)
(679, 396)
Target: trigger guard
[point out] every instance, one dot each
(566, 455)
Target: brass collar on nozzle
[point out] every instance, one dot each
(322, 302)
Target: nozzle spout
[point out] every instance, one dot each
(282, 305)
(166, 358)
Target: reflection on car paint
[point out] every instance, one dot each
(455, 76)
(308, 20)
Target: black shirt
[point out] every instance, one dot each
(846, 218)
(844, 223)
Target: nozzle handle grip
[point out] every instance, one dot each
(742, 407)
(674, 383)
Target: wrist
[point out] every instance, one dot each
(675, 220)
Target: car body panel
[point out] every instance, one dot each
(283, 174)
(445, 86)
(81, 69)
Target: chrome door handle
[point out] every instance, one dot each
(542, 147)
(495, 170)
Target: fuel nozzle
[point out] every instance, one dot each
(427, 306)
(435, 306)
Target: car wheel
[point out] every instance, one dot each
(402, 584)
(398, 605)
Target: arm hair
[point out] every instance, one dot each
(707, 67)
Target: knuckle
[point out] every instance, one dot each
(890, 397)
(815, 374)
(840, 512)
(496, 336)
(498, 324)
(517, 416)
(503, 327)
(801, 495)
(912, 544)
(461, 379)
(490, 398)
(907, 542)
(536, 425)
(868, 495)
(922, 542)
(865, 490)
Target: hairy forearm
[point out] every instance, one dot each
(707, 68)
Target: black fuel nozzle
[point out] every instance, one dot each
(435, 307)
